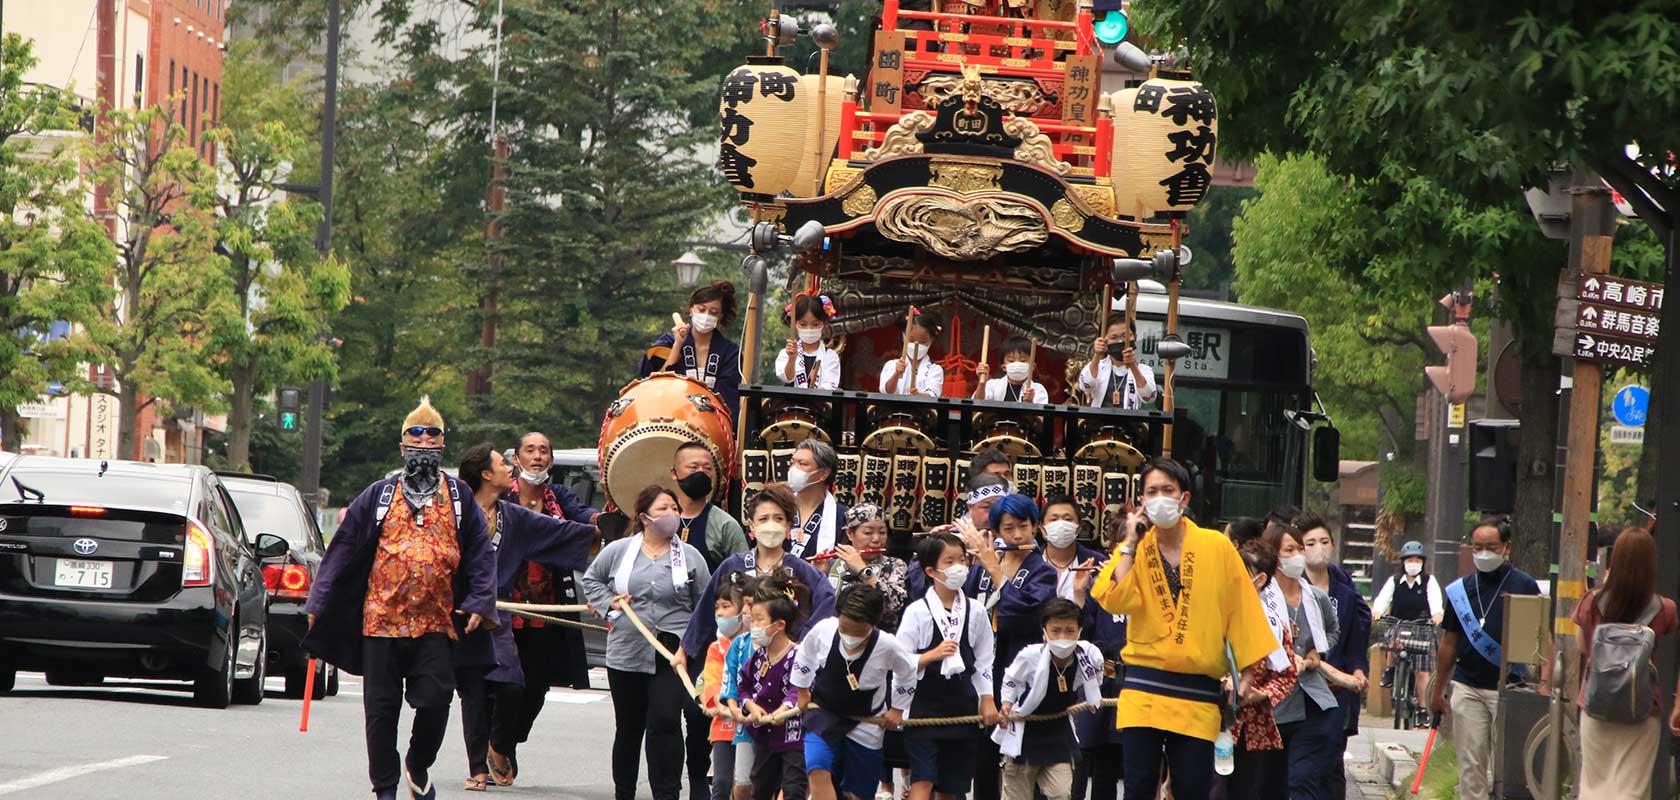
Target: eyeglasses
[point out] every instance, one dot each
(424, 430)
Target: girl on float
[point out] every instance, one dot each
(808, 363)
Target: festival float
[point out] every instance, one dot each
(978, 169)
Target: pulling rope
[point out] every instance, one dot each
(532, 610)
(785, 714)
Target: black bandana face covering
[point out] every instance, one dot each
(422, 471)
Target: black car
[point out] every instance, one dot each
(126, 569)
(269, 506)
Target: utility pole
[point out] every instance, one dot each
(313, 421)
(1445, 408)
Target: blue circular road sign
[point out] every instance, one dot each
(1631, 404)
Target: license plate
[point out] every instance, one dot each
(83, 574)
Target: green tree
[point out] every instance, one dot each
(283, 290)
(173, 301)
(55, 263)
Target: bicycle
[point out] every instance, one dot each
(1410, 645)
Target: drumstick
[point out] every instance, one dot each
(1131, 313)
(676, 319)
(985, 344)
(1032, 363)
(1102, 313)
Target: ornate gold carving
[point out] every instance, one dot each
(839, 174)
(859, 201)
(901, 137)
(1035, 146)
(1020, 97)
(1067, 216)
(967, 178)
(1099, 198)
(962, 230)
(764, 212)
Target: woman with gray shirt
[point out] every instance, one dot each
(1310, 718)
(661, 579)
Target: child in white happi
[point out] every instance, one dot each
(1047, 678)
(848, 670)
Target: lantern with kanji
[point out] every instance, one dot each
(768, 141)
(1164, 136)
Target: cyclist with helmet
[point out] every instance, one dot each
(1413, 595)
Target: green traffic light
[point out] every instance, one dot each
(1111, 29)
(288, 421)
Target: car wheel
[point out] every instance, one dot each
(214, 689)
(332, 680)
(249, 691)
(295, 678)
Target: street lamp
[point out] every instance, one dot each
(688, 269)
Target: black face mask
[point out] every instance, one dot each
(696, 486)
(1117, 350)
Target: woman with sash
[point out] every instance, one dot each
(1310, 718)
(697, 350)
(1187, 595)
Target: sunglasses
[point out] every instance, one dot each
(424, 430)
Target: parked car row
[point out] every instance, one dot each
(128, 569)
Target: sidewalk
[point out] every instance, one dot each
(1380, 760)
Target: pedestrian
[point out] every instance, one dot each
(660, 579)
(1310, 718)
(717, 536)
(729, 613)
(1348, 659)
(821, 522)
(952, 636)
(915, 372)
(1016, 384)
(410, 559)
(1014, 582)
(766, 699)
(864, 560)
(817, 366)
(1187, 595)
(855, 682)
(492, 704)
(1470, 650)
(1411, 596)
(1262, 764)
(1115, 378)
(1046, 679)
(1244, 529)
(549, 654)
(1617, 755)
(697, 350)
(772, 511)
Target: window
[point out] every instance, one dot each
(139, 79)
(172, 77)
(192, 109)
(183, 117)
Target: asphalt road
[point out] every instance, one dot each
(139, 739)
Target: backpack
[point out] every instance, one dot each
(1623, 682)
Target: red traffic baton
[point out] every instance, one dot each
(309, 692)
(1428, 747)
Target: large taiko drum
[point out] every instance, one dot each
(651, 418)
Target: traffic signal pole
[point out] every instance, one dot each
(313, 420)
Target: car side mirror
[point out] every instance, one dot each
(271, 546)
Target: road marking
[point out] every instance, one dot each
(66, 773)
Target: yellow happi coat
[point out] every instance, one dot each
(1216, 605)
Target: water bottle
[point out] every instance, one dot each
(1224, 755)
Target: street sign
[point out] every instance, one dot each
(1618, 321)
(1595, 347)
(1621, 434)
(1455, 415)
(1631, 403)
(1620, 292)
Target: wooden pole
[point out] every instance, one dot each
(749, 350)
(1584, 401)
(819, 152)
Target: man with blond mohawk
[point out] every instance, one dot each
(409, 573)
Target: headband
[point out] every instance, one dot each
(985, 493)
(863, 513)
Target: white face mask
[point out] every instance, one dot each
(1488, 562)
(852, 642)
(1017, 370)
(727, 627)
(761, 636)
(533, 478)
(1163, 511)
(1318, 557)
(703, 322)
(916, 350)
(770, 536)
(1061, 532)
(1293, 566)
(1414, 568)
(798, 479)
(810, 335)
(955, 576)
(1062, 648)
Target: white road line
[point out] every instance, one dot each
(66, 773)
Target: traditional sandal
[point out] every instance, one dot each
(428, 792)
(501, 770)
(477, 783)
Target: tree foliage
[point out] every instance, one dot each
(55, 262)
